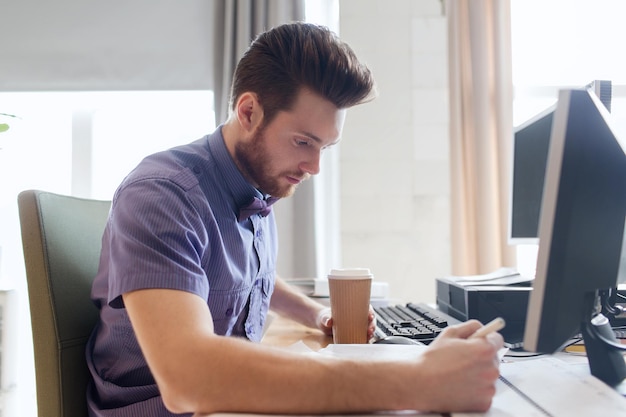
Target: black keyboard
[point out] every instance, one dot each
(413, 320)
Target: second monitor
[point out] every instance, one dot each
(531, 141)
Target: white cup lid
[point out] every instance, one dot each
(350, 273)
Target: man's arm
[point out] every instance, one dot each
(198, 371)
(292, 303)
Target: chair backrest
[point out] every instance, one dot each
(61, 238)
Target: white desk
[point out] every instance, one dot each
(558, 385)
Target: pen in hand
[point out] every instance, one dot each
(493, 326)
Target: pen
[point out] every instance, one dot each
(493, 326)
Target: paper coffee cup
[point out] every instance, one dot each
(349, 291)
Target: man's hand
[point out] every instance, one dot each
(325, 322)
(468, 367)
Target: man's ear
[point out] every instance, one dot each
(249, 111)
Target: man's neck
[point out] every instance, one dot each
(230, 132)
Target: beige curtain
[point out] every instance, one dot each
(236, 23)
(481, 132)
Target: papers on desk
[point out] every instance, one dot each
(371, 352)
(559, 385)
(550, 386)
(502, 276)
(318, 287)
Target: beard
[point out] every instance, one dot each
(255, 162)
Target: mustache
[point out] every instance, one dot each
(301, 175)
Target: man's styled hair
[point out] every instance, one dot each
(287, 58)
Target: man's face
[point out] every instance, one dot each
(287, 151)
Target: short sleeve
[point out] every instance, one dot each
(158, 239)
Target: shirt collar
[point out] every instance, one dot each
(240, 189)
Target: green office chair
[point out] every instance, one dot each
(61, 238)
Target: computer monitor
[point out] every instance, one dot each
(530, 152)
(580, 235)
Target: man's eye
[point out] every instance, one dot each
(302, 142)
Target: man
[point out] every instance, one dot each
(186, 262)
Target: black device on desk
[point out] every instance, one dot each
(486, 302)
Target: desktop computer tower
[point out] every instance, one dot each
(486, 302)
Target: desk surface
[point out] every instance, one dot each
(285, 332)
(572, 389)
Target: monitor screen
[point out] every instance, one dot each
(530, 151)
(581, 225)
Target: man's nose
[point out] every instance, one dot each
(312, 165)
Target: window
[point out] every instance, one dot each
(80, 143)
(563, 44)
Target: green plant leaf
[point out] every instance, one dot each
(4, 127)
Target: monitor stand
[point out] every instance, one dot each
(604, 353)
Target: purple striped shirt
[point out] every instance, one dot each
(173, 224)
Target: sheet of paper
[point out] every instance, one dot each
(501, 276)
(318, 287)
(550, 386)
(507, 403)
(374, 352)
(498, 273)
(508, 280)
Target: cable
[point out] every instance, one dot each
(609, 306)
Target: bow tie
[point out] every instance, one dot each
(257, 206)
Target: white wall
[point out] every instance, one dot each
(395, 193)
